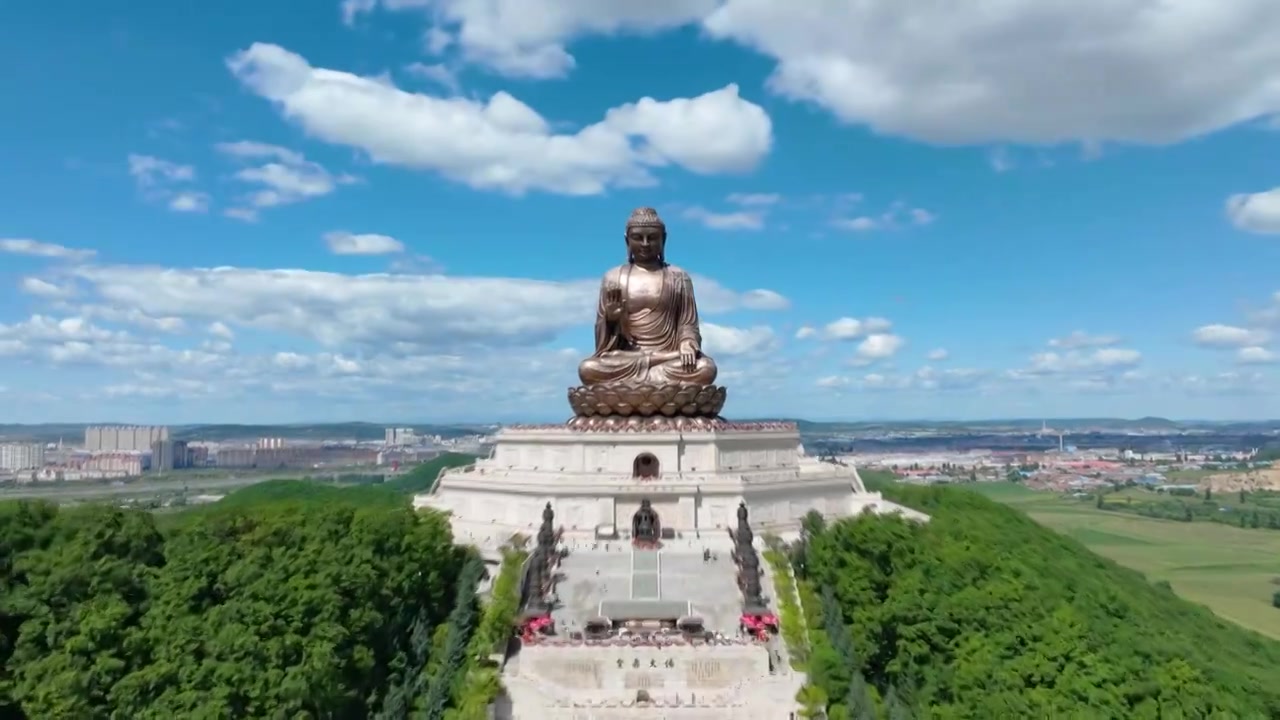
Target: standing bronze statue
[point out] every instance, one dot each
(648, 360)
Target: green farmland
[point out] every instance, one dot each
(1231, 570)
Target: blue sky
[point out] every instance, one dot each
(398, 210)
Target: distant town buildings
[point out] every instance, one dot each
(401, 437)
(272, 443)
(169, 455)
(126, 438)
(114, 464)
(21, 456)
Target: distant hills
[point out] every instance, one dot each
(365, 431)
(362, 431)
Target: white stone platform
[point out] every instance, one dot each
(693, 479)
(686, 678)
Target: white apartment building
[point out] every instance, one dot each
(127, 438)
(21, 456)
(400, 436)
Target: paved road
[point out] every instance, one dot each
(91, 490)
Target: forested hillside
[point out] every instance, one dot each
(278, 608)
(982, 613)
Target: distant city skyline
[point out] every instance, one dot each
(209, 216)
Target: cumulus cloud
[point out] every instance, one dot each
(165, 181)
(463, 340)
(924, 379)
(1080, 339)
(1256, 212)
(1229, 336)
(503, 144)
(719, 340)
(1021, 71)
(43, 288)
(898, 215)
(341, 242)
(35, 248)
(1256, 355)
(527, 39)
(736, 220)
(754, 199)
(189, 201)
(402, 312)
(437, 73)
(1073, 361)
(938, 355)
(278, 176)
(878, 346)
(848, 328)
(151, 171)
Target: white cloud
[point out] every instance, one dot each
(739, 220)
(438, 73)
(1172, 71)
(1001, 160)
(42, 288)
(341, 242)
(754, 199)
(938, 355)
(401, 313)
(925, 379)
(35, 248)
(218, 329)
(719, 340)
(130, 316)
(1228, 336)
(716, 298)
(153, 171)
(1257, 212)
(861, 223)
(165, 181)
(1020, 71)
(242, 214)
(878, 346)
(503, 144)
(1075, 361)
(1256, 355)
(806, 332)
(288, 177)
(1080, 339)
(847, 328)
(527, 38)
(188, 201)
(896, 216)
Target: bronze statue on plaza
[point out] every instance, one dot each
(648, 368)
(644, 524)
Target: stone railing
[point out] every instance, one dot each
(720, 426)
(667, 641)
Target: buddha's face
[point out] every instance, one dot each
(645, 243)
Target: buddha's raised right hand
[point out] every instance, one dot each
(613, 304)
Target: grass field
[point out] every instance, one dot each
(1230, 570)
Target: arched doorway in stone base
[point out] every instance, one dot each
(645, 467)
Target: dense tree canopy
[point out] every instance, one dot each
(281, 608)
(982, 613)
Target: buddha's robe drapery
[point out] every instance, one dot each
(643, 345)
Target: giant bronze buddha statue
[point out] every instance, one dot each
(648, 359)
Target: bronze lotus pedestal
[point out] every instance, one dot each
(648, 371)
(645, 406)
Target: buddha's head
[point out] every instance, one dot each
(646, 237)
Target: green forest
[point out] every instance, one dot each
(983, 613)
(288, 599)
(293, 599)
